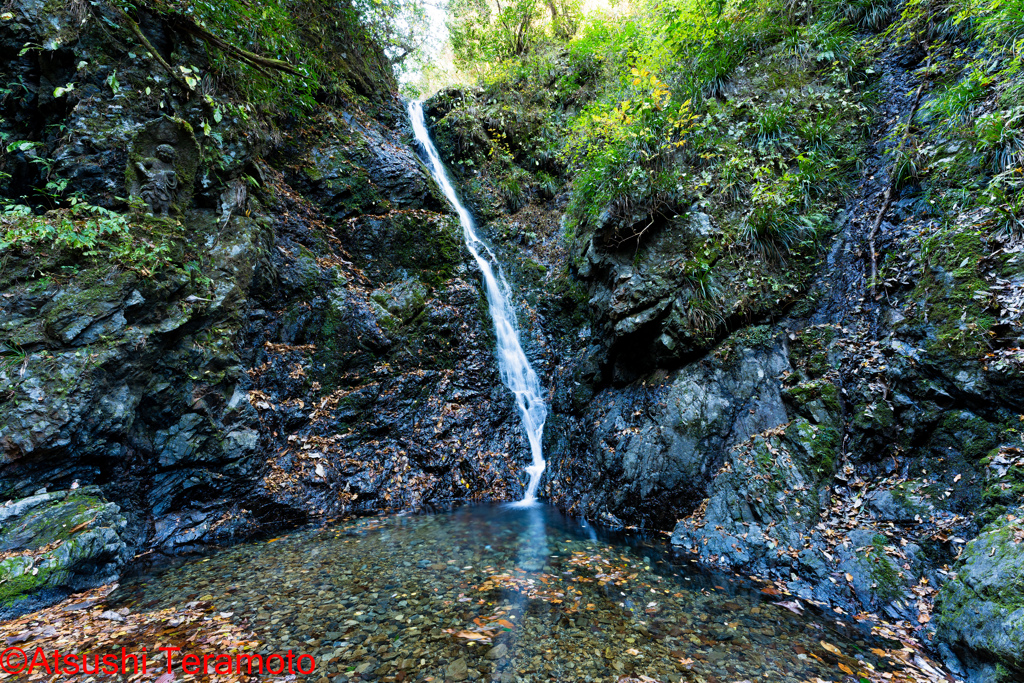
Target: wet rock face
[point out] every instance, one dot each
(56, 543)
(359, 168)
(317, 344)
(654, 446)
(101, 123)
(133, 383)
(172, 392)
(981, 610)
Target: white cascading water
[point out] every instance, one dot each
(515, 369)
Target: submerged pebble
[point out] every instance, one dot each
(508, 596)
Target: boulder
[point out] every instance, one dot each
(981, 611)
(56, 543)
(661, 439)
(763, 499)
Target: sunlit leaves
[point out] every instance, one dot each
(482, 31)
(621, 149)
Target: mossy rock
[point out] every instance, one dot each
(964, 432)
(809, 350)
(887, 584)
(814, 397)
(815, 447)
(92, 299)
(156, 134)
(1004, 488)
(70, 540)
(461, 139)
(946, 294)
(403, 299)
(876, 577)
(981, 610)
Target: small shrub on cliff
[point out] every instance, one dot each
(1003, 20)
(772, 228)
(772, 124)
(711, 39)
(1000, 137)
(82, 227)
(957, 103)
(513, 188)
(623, 152)
(871, 15)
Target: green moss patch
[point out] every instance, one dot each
(947, 295)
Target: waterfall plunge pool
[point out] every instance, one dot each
(495, 593)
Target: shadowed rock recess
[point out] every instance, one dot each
(832, 400)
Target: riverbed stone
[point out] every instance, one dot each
(457, 670)
(57, 543)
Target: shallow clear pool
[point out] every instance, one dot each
(493, 593)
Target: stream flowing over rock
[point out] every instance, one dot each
(291, 329)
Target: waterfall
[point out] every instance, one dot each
(515, 369)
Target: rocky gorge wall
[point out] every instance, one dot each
(843, 434)
(313, 341)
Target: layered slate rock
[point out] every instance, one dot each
(981, 611)
(663, 439)
(301, 333)
(55, 543)
(133, 383)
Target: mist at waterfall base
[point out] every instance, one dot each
(513, 365)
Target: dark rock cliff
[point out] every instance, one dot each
(807, 421)
(304, 335)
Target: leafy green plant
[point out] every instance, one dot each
(86, 228)
(196, 274)
(479, 32)
(818, 134)
(772, 124)
(771, 228)
(870, 15)
(817, 177)
(250, 41)
(956, 104)
(830, 41)
(622, 153)
(1005, 194)
(1004, 21)
(905, 168)
(770, 234)
(711, 39)
(733, 176)
(513, 188)
(566, 17)
(701, 294)
(547, 185)
(13, 357)
(1000, 137)
(697, 276)
(703, 314)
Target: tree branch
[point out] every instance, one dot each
(259, 62)
(137, 31)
